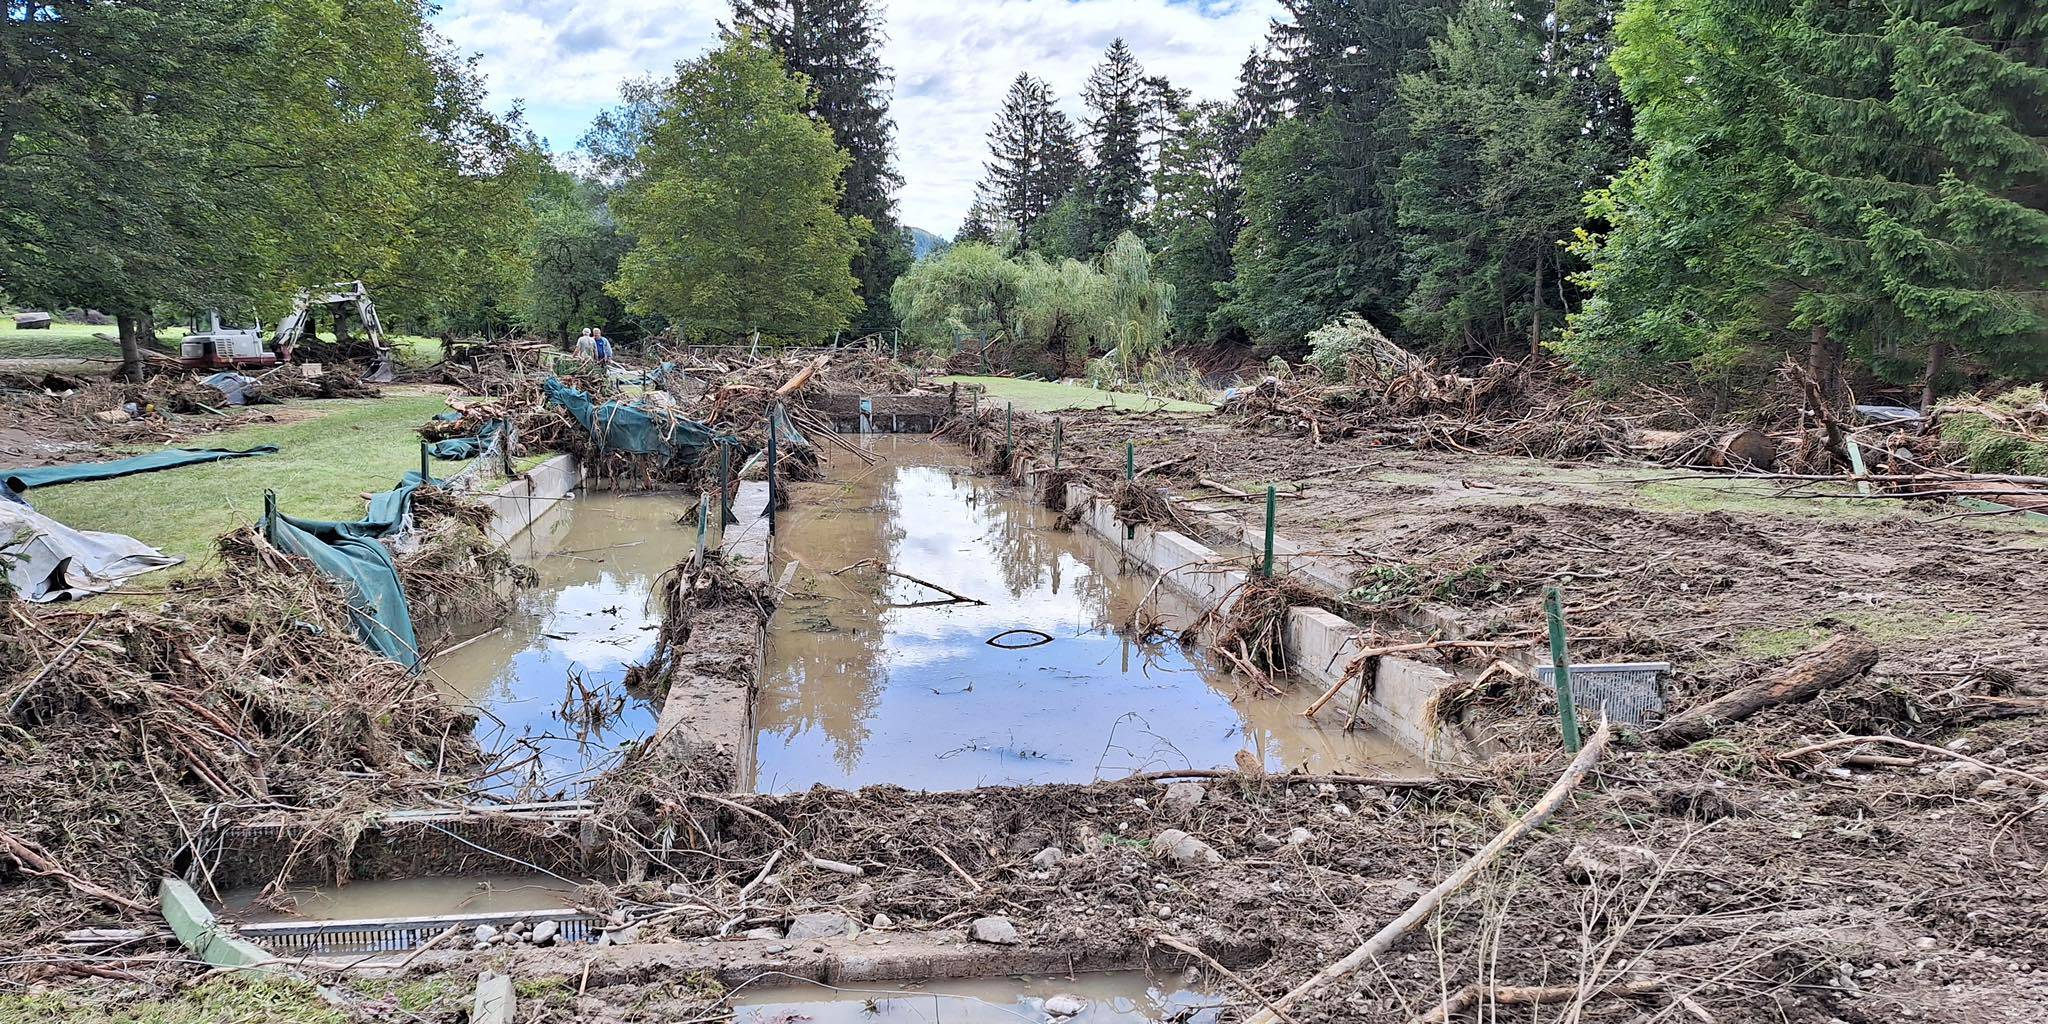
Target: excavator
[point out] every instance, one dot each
(213, 345)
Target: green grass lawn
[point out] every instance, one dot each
(60, 341)
(326, 463)
(1045, 396)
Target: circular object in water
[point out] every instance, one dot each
(1038, 638)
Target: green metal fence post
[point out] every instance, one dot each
(1058, 431)
(425, 476)
(1561, 668)
(1130, 460)
(1272, 506)
(725, 516)
(1009, 430)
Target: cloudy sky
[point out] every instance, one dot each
(953, 61)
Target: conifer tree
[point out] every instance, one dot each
(1499, 160)
(1917, 157)
(1033, 158)
(1115, 95)
(836, 44)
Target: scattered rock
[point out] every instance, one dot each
(1265, 842)
(996, 931)
(1585, 863)
(1181, 797)
(1049, 857)
(623, 936)
(819, 926)
(486, 933)
(762, 933)
(884, 921)
(1299, 836)
(1340, 810)
(545, 933)
(1183, 849)
(1065, 1005)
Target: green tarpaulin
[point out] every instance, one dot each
(351, 555)
(618, 426)
(457, 448)
(169, 458)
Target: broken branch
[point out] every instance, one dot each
(1384, 939)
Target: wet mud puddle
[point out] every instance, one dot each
(1120, 997)
(877, 679)
(403, 897)
(549, 682)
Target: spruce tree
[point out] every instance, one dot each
(1499, 161)
(1033, 159)
(1115, 95)
(836, 45)
(1340, 62)
(1916, 140)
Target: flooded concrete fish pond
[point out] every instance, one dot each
(877, 679)
(1118, 997)
(548, 683)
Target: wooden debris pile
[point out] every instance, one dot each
(1503, 409)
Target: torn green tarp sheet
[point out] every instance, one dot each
(458, 448)
(169, 458)
(350, 554)
(618, 426)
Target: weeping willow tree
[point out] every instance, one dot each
(1140, 308)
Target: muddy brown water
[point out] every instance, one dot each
(1119, 997)
(548, 683)
(403, 897)
(867, 681)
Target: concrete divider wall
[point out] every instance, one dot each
(515, 506)
(1320, 645)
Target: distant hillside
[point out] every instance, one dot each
(923, 243)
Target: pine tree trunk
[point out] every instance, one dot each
(1937, 360)
(1536, 311)
(128, 326)
(1824, 363)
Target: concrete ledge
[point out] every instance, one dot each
(1319, 645)
(198, 931)
(515, 506)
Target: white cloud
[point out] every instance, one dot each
(953, 59)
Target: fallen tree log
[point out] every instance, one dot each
(1836, 662)
(1425, 905)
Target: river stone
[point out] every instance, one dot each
(1183, 849)
(819, 926)
(1299, 836)
(762, 933)
(486, 933)
(997, 931)
(1183, 796)
(544, 933)
(1049, 857)
(1066, 1005)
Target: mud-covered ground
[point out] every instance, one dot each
(1737, 879)
(1720, 577)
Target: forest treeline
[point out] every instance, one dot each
(1693, 188)
(1682, 189)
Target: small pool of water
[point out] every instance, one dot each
(403, 897)
(548, 683)
(870, 679)
(1119, 997)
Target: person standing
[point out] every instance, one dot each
(601, 347)
(586, 347)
